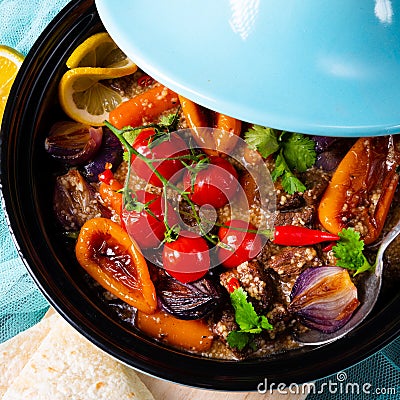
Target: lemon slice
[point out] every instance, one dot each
(100, 51)
(83, 96)
(10, 61)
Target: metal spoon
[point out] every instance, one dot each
(367, 296)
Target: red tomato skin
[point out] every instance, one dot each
(146, 230)
(247, 245)
(214, 185)
(169, 169)
(187, 259)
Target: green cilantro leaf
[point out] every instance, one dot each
(238, 339)
(245, 315)
(299, 151)
(294, 151)
(265, 140)
(248, 320)
(168, 120)
(290, 182)
(349, 251)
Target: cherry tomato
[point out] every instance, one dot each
(187, 259)
(153, 147)
(245, 245)
(147, 226)
(216, 184)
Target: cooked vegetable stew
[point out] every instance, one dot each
(214, 235)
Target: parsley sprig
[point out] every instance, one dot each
(293, 151)
(250, 323)
(349, 252)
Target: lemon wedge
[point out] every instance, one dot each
(82, 94)
(10, 62)
(100, 51)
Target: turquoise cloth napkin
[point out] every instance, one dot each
(22, 305)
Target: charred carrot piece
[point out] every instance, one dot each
(111, 198)
(229, 130)
(143, 107)
(194, 114)
(218, 142)
(109, 191)
(196, 117)
(187, 334)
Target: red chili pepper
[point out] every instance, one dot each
(233, 284)
(145, 80)
(290, 235)
(329, 247)
(106, 176)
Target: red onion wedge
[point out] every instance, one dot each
(72, 142)
(324, 298)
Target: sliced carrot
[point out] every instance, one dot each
(195, 115)
(229, 130)
(143, 107)
(196, 118)
(362, 188)
(190, 335)
(212, 142)
(109, 193)
(107, 253)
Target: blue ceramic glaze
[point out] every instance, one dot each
(313, 66)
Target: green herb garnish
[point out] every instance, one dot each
(249, 321)
(290, 182)
(168, 123)
(349, 252)
(294, 151)
(263, 139)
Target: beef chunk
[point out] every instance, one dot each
(291, 260)
(301, 217)
(316, 181)
(255, 280)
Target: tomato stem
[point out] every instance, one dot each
(166, 183)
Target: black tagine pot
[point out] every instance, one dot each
(26, 177)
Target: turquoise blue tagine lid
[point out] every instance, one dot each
(325, 67)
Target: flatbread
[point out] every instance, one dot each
(67, 366)
(15, 353)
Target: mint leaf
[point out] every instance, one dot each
(349, 251)
(265, 140)
(299, 151)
